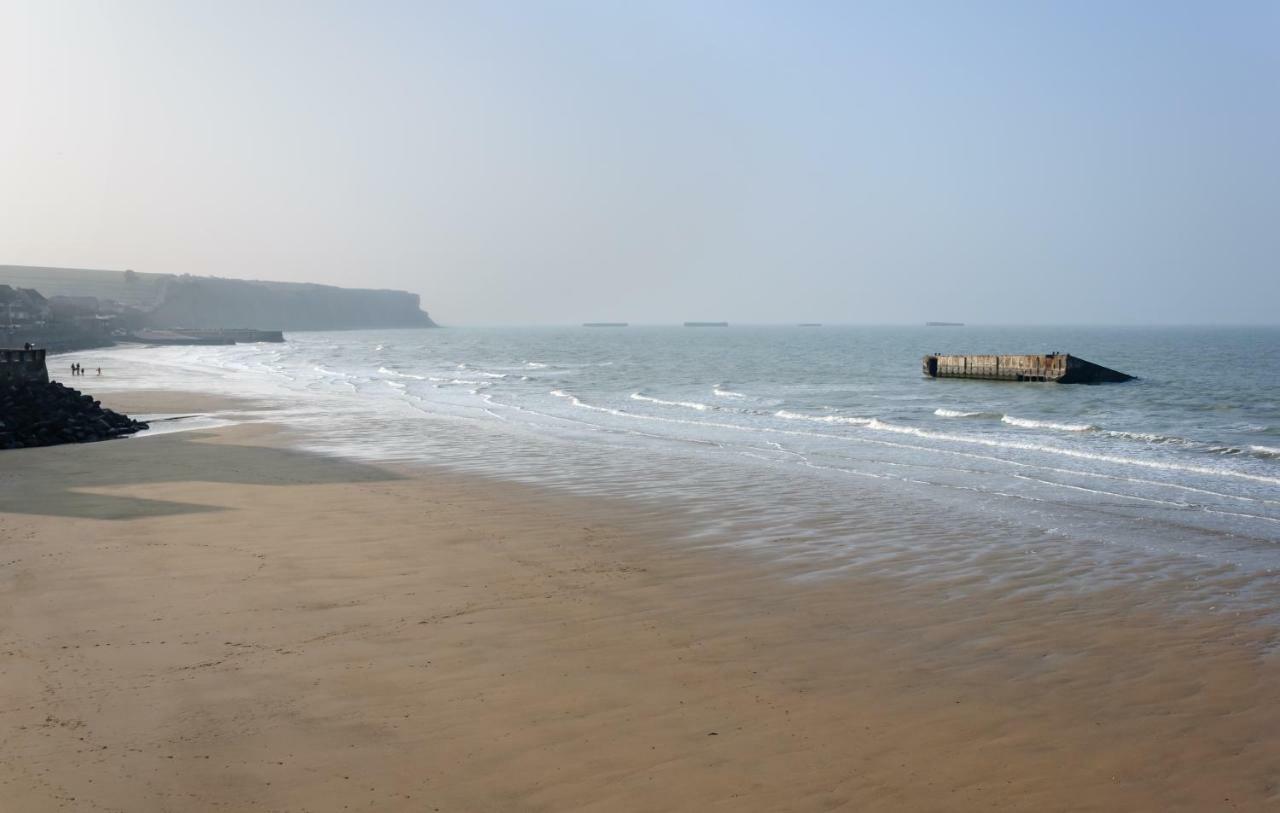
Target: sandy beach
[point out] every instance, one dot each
(214, 621)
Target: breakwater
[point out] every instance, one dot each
(1060, 368)
(34, 413)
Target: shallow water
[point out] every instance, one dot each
(824, 444)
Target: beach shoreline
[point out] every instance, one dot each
(215, 620)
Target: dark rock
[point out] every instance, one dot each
(46, 414)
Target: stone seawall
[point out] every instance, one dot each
(23, 366)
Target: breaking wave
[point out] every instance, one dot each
(1028, 423)
(635, 396)
(943, 412)
(398, 374)
(830, 419)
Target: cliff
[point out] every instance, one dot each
(168, 301)
(213, 302)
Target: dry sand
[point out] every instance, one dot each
(210, 621)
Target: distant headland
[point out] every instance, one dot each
(64, 308)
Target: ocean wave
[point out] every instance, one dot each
(461, 381)
(397, 374)
(720, 392)
(1149, 437)
(943, 412)
(879, 425)
(1028, 423)
(535, 365)
(635, 396)
(836, 419)
(578, 402)
(1253, 450)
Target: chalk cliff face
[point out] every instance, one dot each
(212, 302)
(167, 300)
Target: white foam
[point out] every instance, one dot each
(386, 371)
(1151, 437)
(635, 396)
(1029, 423)
(536, 365)
(1265, 451)
(1103, 458)
(955, 413)
(578, 402)
(457, 381)
(830, 419)
(723, 393)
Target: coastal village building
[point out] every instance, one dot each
(23, 307)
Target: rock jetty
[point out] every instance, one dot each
(48, 414)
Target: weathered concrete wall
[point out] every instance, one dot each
(1057, 367)
(23, 365)
(1002, 368)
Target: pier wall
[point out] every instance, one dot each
(1001, 368)
(23, 365)
(1058, 367)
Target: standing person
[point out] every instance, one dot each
(99, 371)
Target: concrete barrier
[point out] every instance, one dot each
(1060, 368)
(23, 365)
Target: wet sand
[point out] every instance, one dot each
(212, 621)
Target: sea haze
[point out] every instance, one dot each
(821, 445)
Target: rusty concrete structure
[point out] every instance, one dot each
(1060, 368)
(23, 365)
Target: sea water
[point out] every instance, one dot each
(824, 445)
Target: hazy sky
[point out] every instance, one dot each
(534, 162)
